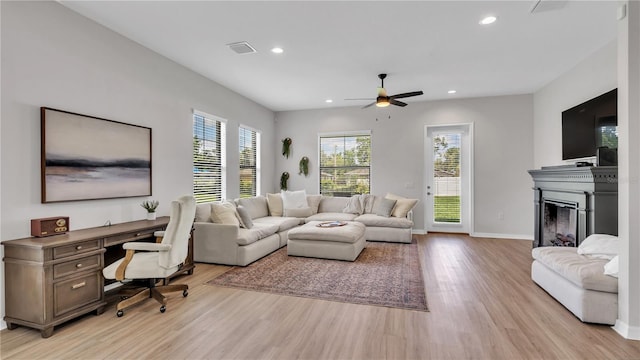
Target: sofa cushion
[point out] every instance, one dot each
(381, 221)
(599, 246)
(274, 202)
(384, 207)
(585, 272)
(298, 213)
(330, 204)
(314, 202)
(331, 216)
(294, 199)
(244, 217)
(284, 223)
(611, 268)
(403, 205)
(350, 233)
(224, 213)
(203, 212)
(257, 232)
(354, 206)
(256, 206)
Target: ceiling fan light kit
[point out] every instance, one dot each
(383, 100)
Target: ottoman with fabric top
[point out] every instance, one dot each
(338, 243)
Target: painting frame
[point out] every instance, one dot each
(90, 158)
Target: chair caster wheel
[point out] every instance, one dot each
(119, 313)
(185, 293)
(123, 297)
(163, 309)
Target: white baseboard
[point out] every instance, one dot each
(502, 236)
(483, 235)
(626, 331)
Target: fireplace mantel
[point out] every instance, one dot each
(593, 191)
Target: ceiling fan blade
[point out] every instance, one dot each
(369, 105)
(382, 92)
(398, 103)
(404, 95)
(361, 99)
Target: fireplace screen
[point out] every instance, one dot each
(560, 224)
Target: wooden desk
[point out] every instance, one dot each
(53, 279)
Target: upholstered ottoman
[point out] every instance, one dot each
(338, 243)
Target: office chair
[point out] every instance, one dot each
(153, 261)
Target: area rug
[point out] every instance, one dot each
(384, 274)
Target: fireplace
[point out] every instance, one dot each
(571, 203)
(559, 227)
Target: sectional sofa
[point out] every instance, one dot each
(263, 223)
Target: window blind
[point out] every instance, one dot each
(345, 164)
(446, 178)
(248, 162)
(208, 158)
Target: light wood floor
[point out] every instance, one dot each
(482, 302)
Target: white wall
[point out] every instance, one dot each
(54, 57)
(503, 153)
(590, 78)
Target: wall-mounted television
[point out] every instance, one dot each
(589, 126)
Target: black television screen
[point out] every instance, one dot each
(590, 125)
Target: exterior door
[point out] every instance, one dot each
(448, 185)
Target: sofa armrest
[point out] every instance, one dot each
(215, 243)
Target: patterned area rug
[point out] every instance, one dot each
(385, 274)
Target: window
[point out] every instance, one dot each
(446, 178)
(345, 164)
(249, 162)
(209, 165)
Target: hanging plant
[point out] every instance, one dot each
(304, 166)
(283, 180)
(286, 147)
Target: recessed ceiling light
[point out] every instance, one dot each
(488, 20)
(328, 101)
(451, 92)
(277, 50)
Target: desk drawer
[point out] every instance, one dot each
(132, 236)
(78, 248)
(75, 293)
(76, 266)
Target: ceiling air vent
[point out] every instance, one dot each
(241, 47)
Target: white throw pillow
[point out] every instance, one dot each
(611, 268)
(600, 246)
(274, 202)
(294, 199)
(224, 213)
(403, 205)
(354, 206)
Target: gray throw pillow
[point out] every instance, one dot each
(384, 207)
(245, 217)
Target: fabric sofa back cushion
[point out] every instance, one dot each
(330, 204)
(256, 206)
(203, 212)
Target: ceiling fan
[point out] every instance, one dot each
(383, 100)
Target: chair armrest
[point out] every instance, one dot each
(145, 246)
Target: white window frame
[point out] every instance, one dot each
(223, 149)
(258, 156)
(345, 134)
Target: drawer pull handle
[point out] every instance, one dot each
(138, 234)
(79, 247)
(78, 265)
(78, 285)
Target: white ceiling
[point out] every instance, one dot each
(335, 49)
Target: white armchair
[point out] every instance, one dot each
(155, 261)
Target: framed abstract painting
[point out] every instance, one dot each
(87, 158)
